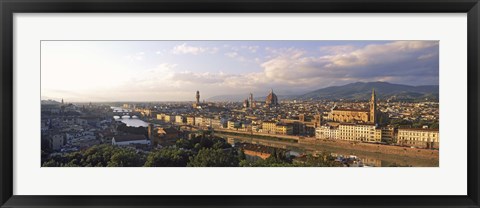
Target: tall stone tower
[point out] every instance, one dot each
(373, 107)
(252, 105)
(197, 96)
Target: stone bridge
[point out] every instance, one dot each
(125, 113)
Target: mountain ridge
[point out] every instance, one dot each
(383, 90)
(353, 91)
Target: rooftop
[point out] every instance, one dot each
(129, 137)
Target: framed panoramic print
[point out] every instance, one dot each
(249, 104)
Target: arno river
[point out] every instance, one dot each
(368, 158)
(134, 121)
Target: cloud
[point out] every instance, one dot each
(428, 56)
(286, 70)
(242, 52)
(231, 54)
(252, 49)
(395, 61)
(187, 49)
(140, 56)
(338, 49)
(200, 78)
(297, 70)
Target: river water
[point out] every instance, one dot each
(133, 121)
(374, 159)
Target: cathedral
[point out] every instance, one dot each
(271, 100)
(353, 115)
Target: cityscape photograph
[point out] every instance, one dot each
(239, 103)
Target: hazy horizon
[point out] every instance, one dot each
(149, 71)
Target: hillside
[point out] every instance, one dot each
(363, 90)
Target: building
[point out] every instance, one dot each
(179, 119)
(271, 100)
(198, 121)
(246, 126)
(130, 139)
(356, 115)
(144, 111)
(421, 138)
(161, 117)
(197, 97)
(246, 104)
(255, 127)
(269, 127)
(57, 141)
(191, 120)
(169, 118)
(388, 134)
(301, 126)
(350, 132)
(197, 100)
(50, 108)
(317, 119)
(216, 123)
(284, 129)
(207, 121)
(233, 124)
(326, 132)
(359, 132)
(254, 151)
(373, 108)
(150, 130)
(251, 101)
(167, 136)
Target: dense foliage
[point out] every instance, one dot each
(200, 151)
(99, 156)
(168, 157)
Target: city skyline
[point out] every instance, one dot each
(103, 71)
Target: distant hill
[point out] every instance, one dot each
(363, 90)
(50, 102)
(352, 91)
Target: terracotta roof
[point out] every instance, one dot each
(418, 129)
(346, 109)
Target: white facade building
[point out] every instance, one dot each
(123, 140)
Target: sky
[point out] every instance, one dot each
(97, 71)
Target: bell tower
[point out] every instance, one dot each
(373, 107)
(197, 96)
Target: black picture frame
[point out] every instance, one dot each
(9, 7)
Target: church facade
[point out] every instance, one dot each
(355, 115)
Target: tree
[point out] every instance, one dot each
(183, 143)
(209, 157)
(99, 155)
(168, 157)
(321, 160)
(126, 158)
(241, 155)
(269, 162)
